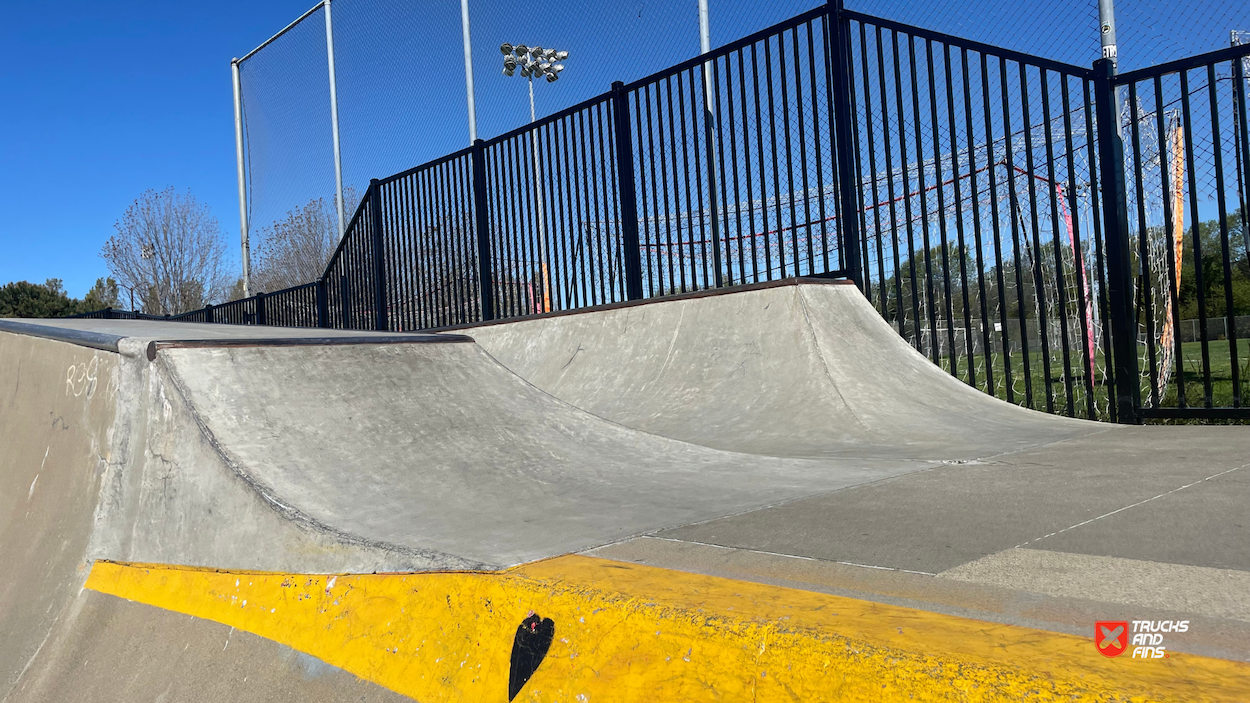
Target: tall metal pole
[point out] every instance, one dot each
(334, 120)
(1106, 30)
(238, 157)
(468, 69)
(538, 206)
(709, 135)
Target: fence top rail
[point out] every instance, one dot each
(1200, 61)
(696, 61)
(291, 289)
(351, 224)
(990, 50)
(427, 165)
(544, 121)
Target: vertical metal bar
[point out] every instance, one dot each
(334, 120)
(1169, 227)
(906, 183)
(723, 238)
(323, 304)
(1060, 283)
(246, 249)
(1143, 254)
(645, 237)
(628, 196)
(789, 156)
(947, 303)
(818, 157)
(969, 340)
(900, 314)
(844, 128)
(486, 287)
(986, 339)
(696, 186)
(931, 304)
(772, 136)
(1230, 317)
(1242, 145)
(882, 293)
(759, 142)
(1082, 286)
(1100, 267)
(381, 319)
(1115, 223)
(1039, 282)
(262, 318)
(1196, 239)
(1012, 198)
(709, 137)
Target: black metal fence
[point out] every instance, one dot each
(986, 201)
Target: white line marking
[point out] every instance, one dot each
(789, 556)
(1134, 505)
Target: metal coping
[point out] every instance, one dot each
(95, 340)
(831, 278)
(156, 346)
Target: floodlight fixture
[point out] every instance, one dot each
(536, 51)
(551, 77)
(557, 67)
(521, 49)
(508, 71)
(525, 71)
(505, 48)
(509, 62)
(562, 55)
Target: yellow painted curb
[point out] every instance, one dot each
(628, 632)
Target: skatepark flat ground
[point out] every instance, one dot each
(781, 435)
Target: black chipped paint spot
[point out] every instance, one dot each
(529, 647)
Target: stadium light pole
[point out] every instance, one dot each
(246, 250)
(535, 61)
(709, 135)
(334, 120)
(1106, 30)
(468, 69)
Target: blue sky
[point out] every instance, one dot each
(102, 101)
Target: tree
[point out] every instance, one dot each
(25, 299)
(295, 250)
(168, 253)
(104, 294)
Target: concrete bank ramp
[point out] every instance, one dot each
(368, 453)
(796, 368)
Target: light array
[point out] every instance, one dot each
(534, 61)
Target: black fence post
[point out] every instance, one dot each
(381, 318)
(345, 308)
(323, 304)
(485, 280)
(208, 313)
(261, 317)
(839, 53)
(1116, 229)
(628, 194)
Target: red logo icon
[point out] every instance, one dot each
(1111, 637)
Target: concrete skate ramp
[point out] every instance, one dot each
(797, 368)
(438, 447)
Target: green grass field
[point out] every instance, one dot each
(1030, 389)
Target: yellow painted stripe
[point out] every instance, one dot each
(631, 632)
